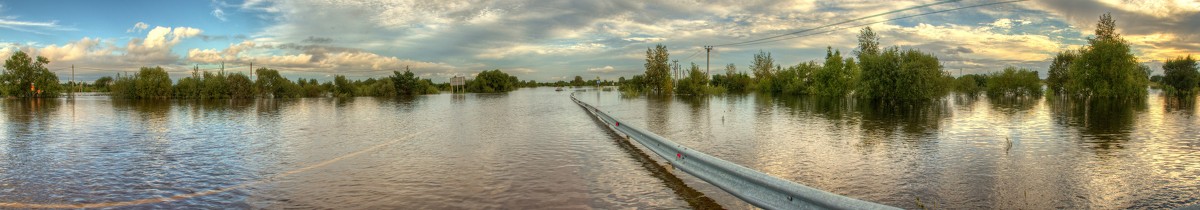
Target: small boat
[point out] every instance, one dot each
(558, 89)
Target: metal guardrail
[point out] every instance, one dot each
(754, 187)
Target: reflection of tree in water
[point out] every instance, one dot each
(878, 120)
(1105, 124)
(658, 113)
(964, 101)
(1010, 105)
(764, 103)
(407, 104)
(27, 117)
(338, 102)
(219, 105)
(914, 119)
(830, 108)
(144, 109)
(1184, 104)
(698, 104)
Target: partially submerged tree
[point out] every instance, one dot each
(27, 77)
(1014, 82)
(658, 74)
(1056, 78)
(1181, 76)
(1106, 68)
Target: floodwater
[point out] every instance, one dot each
(531, 148)
(957, 153)
(534, 148)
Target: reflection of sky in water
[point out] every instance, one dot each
(534, 148)
(954, 153)
(525, 149)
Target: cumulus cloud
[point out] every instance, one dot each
(156, 46)
(84, 48)
(229, 54)
(564, 38)
(154, 49)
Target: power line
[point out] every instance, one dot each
(839, 23)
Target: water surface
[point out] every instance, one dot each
(531, 148)
(958, 153)
(534, 148)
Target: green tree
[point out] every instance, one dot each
(1056, 78)
(762, 65)
(658, 76)
(239, 86)
(405, 83)
(902, 75)
(837, 77)
(153, 83)
(270, 84)
(1181, 76)
(187, 87)
(577, 82)
(1106, 68)
(26, 77)
(868, 43)
(102, 83)
(694, 83)
(342, 87)
(970, 84)
(383, 88)
(215, 86)
(493, 81)
(1014, 82)
(635, 84)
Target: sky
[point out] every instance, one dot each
(548, 40)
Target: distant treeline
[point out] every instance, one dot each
(26, 77)
(1105, 68)
(155, 83)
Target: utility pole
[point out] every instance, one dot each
(73, 80)
(707, 56)
(252, 71)
(222, 67)
(676, 70)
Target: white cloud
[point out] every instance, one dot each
(983, 43)
(1157, 29)
(532, 49)
(219, 14)
(156, 46)
(605, 69)
(522, 70)
(1004, 23)
(210, 56)
(152, 50)
(86, 47)
(1157, 8)
(138, 27)
(31, 26)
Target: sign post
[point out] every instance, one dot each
(458, 83)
